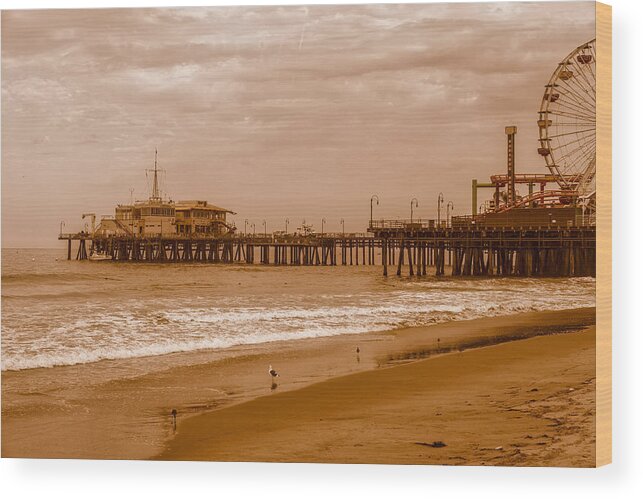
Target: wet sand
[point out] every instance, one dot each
(330, 405)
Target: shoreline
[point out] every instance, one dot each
(529, 401)
(123, 413)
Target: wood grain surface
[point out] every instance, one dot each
(604, 235)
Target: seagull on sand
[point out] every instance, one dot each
(272, 372)
(174, 419)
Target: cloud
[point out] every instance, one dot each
(234, 96)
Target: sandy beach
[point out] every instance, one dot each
(507, 390)
(528, 403)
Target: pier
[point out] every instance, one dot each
(418, 248)
(547, 233)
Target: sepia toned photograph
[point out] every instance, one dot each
(317, 233)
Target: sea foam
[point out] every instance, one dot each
(140, 327)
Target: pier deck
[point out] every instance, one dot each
(410, 247)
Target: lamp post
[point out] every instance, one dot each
(245, 227)
(322, 230)
(62, 224)
(254, 230)
(414, 200)
(287, 222)
(440, 203)
(449, 204)
(265, 231)
(342, 222)
(131, 213)
(374, 197)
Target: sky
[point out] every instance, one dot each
(298, 112)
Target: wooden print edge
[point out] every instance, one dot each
(604, 234)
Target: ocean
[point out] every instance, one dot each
(57, 312)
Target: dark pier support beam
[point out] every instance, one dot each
(82, 250)
(385, 256)
(422, 258)
(489, 264)
(410, 252)
(400, 258)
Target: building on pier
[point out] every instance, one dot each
(159, 217)
(153, 217)
(199, 217)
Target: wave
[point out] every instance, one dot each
(141, 332)
(105, 353)
(53, 277)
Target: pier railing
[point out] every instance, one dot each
(475, 222)
(483, 222)
(406, 224)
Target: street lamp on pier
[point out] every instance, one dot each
(343, 231)
(62, 224)
(265, 230)
(245, 227)
(414, 200)
(440, 203)
(287, 222)
(374, 197)
(254, 230)
(322, 230)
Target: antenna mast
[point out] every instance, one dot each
(156, 192)
(156, 195)
(155, 188)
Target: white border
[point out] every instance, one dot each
(109, 479)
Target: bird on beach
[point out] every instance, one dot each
(272, 372)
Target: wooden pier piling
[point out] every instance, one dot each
(477, 251)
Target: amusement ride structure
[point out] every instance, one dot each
(567, 125)
(567, 142)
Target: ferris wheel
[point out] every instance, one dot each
(567, 124)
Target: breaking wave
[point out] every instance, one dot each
(146, 327)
